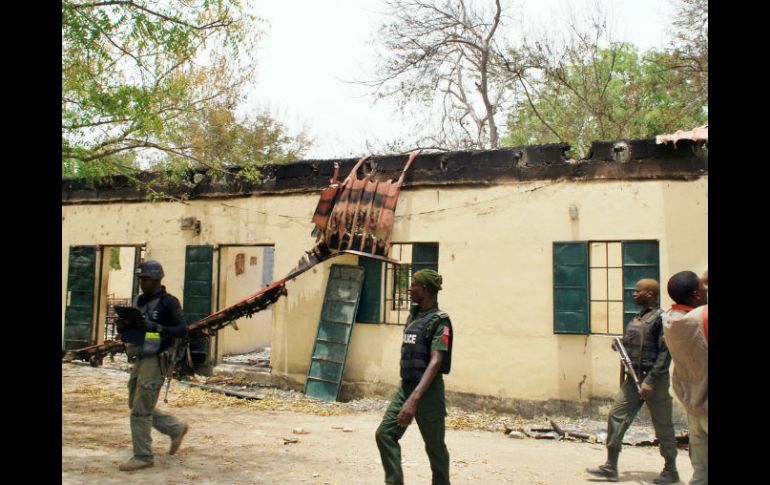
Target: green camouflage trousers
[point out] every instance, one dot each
(431, 411)
(143, 391)
(626, 406)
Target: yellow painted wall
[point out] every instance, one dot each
(495, 253)
(253, 332)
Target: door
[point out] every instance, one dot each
(197, 298)
(79, 310)
(327, 363)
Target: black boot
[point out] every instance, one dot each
(610, 469)
(669, 473)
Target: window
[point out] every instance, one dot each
(594, 283)
(385, 295)
(606, 295)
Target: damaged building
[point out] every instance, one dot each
(539, 256)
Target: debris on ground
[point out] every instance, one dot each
(233, 391)
(258, 358)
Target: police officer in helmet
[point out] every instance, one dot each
(147, 341)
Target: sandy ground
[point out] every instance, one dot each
(240, 442)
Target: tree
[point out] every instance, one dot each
(690, 48)
(442, 54)
(613, 94)
(217, 136)
(140, 77)
(588, 87)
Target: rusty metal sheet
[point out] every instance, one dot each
(324, 208)
(362, 213)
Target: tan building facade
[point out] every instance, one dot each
(499, 246)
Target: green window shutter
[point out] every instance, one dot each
(641, 259)
(197, 295)
(570, 287)
(79, 312)
(424, 256)
(371, 294)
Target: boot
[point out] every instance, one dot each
(177, 440)
(135, 464)
(669, 473)
(610, 469)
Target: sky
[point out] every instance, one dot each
(312, 51)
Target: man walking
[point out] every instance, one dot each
(426, 354)
(686, 331)
(146, 342)
(650, 359)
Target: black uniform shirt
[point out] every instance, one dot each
(167, 313)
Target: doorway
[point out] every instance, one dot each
(243, 270)
(118, 285)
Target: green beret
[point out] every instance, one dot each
(429, 277)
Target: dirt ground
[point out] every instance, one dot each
(242, 442)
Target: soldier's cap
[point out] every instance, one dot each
(429, 277)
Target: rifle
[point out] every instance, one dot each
(180, 345)
(626, 360)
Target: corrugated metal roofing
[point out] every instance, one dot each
(700, 133)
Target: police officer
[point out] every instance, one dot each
(650, 358)
(146, 343)
(426, 354)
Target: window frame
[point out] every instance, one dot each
(388, 310)
(640, 258)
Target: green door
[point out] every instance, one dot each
(197, 297)
(79, 310)
(327, 363)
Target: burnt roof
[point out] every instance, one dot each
(607, 160)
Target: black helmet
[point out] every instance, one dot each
(151, 269)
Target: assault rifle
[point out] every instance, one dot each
(626, 360)
(179, 350)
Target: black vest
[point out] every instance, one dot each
(140, 343)
(642, 340)
(415, 349)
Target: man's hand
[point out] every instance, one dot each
(645, 391)
(407, 412)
